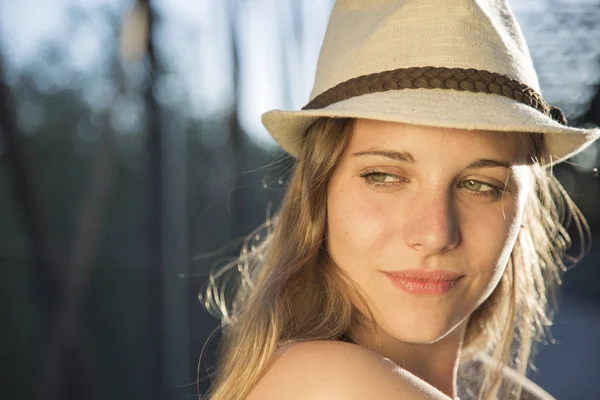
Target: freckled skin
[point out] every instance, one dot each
(425, 218)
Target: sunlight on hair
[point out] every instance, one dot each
(284, 288)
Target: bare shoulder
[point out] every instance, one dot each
(337, 370)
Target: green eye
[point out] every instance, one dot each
(381, 177)
(476, 186)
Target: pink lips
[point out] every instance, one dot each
(417, 281)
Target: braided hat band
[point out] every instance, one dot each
(461, 79)
(372, 50)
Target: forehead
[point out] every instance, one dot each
(436, 141)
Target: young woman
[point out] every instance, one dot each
(422, 231)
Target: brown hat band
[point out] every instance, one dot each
(461, 79)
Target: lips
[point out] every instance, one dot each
(420, 274)
(425, 282)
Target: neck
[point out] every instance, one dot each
(435, 363)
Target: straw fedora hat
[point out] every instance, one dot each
(445, 63)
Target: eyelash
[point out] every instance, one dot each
(496, 191)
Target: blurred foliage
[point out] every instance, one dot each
(116, 310)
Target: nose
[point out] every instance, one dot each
(433, 225)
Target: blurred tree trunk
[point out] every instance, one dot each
(284, 21)
(46, 278)
(68, 356)
(237, 154)
(156, 208)
(68, 365)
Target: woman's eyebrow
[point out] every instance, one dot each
(394, 155)
(405, 156)
(489, 163)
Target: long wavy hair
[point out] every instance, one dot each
(285, 288)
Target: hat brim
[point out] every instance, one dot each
(439, 108)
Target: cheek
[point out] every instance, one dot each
(357, 227)
(489, 238)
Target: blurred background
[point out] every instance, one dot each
(133, 160)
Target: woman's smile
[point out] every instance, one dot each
(423, 282)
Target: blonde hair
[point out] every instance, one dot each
(285, 288)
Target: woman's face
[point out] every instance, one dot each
(408, 197)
